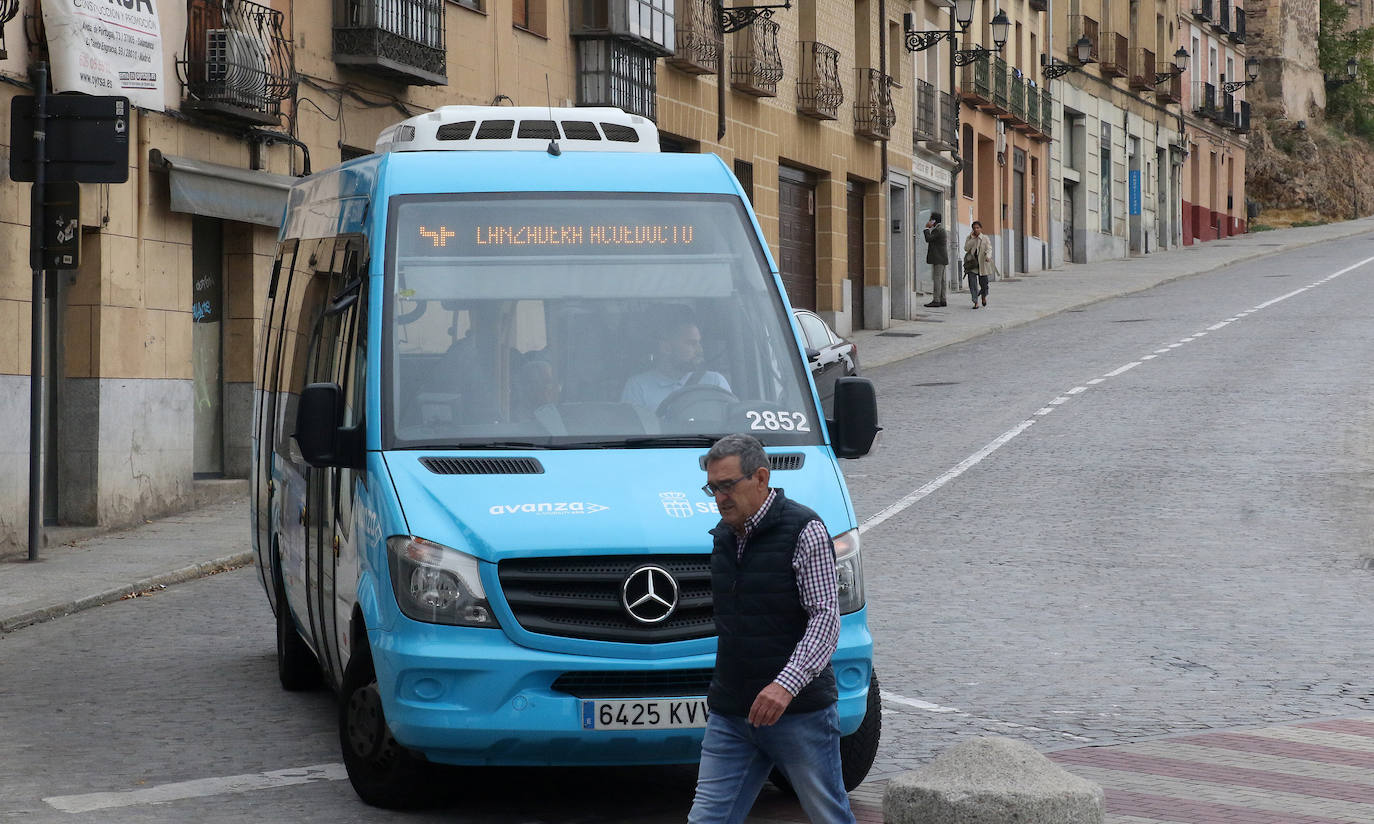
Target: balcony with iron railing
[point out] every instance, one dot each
(1000, 72)
(927, 113)
(1238, 26)
(1204, 10)
(819, 93)
(874, 113)
(1032, 107)
(975, 83)
(1226, 112)
(1243, 117)
(1116, 54)
(616, 72)
(1081, 26)
(399, 39)
(1016, 102)
(1222, 23)
(698, 37)
(238, 62)
(949, 121)
(1046, 113)
(1143, 70)
(1204, 99)
(1171, 90)
(755, 63)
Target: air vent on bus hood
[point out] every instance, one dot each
(483, 466)
(789, 460)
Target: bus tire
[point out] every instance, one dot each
(383, 773)
(297, 668)
(857, 750)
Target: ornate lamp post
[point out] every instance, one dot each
(922, 40)
(1352, 71)
(1251, 72)
(1054, 67)
(1179, 67)
(1000, 24)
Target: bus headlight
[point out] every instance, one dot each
(436, 584)
(849, 572)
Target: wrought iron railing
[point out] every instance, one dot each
(402, 39)
(699, 39)
(755, 63)
(1116, 54)
(1202, 10)
(1046, 113)
(1226, 112)
(1223, 21)
(238, 60)
(1243, 117)
(874, 113)
(1143, 70)
(976, 82)
(1171, 90)
(1204, 99)
(819, 92)
(927, 112)
(1081, 26)
(949, 120)
(615, 72)
(1238, 27)
(1032, 105)
(1016, 98)
(1000, 73)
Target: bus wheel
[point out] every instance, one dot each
(857, 750)
(383, 773)
(297, 668)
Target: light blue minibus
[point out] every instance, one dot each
(494, 355)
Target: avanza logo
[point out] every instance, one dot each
(549, 508)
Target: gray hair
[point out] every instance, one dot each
(747, 448)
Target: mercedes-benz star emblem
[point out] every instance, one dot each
(649, 594)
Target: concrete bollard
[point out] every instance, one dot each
(991, 780)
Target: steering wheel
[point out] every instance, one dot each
(699, 402)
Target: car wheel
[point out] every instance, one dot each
(297, 668)
(383, 773)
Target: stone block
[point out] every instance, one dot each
(992, 780)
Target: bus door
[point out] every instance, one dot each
(331, 360)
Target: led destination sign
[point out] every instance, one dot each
(576, 234)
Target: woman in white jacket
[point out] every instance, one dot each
(978, 263)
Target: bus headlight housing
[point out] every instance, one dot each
(437, 584)
(849, 572)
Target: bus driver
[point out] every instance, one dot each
(677, 363)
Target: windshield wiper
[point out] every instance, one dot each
(671, 440)
(503, 445)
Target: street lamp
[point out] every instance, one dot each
(1251, 72)
(999, 24)
(1083, 53)
(1352, 71)
(1179, 67)
(922, 40)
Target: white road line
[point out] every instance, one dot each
(1076, 390)
(916, 703)
(1163, 351)
(1122, 369)
(963, 466)
(1214, 327)
(198, 788)
(1148, 357)
(1044, 410)
(1059, 400)
(926, 706)
(1095, 381)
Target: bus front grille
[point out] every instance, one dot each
(582, 597)
(612, 684)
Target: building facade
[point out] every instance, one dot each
(151, 341)
(1119, 155)
(1217, 118)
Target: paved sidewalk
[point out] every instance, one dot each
(1308, 773)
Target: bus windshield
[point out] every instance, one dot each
(548, 320)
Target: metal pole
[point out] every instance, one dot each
(36, 343)
(719, 7)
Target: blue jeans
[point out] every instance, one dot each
(736, 758)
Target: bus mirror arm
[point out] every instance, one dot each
(320, 433)
(856, 417)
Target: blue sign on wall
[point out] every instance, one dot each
(1135, 191)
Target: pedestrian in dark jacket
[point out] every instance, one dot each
(937, 255)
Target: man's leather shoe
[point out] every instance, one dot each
(934, 304)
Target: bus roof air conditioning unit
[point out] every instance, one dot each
(236, 69)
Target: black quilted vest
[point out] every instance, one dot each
(759, 615)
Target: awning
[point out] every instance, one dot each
(215, 190)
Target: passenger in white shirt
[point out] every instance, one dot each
(677, 363)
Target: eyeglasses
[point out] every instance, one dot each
(713, 489)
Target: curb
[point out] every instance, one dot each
(178, 576)
(1011, 324)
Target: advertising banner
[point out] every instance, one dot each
(106, 47)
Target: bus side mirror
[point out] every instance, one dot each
(320, 433)
(856, 417)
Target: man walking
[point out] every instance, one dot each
(773, 694)
(978, 263)
(937, 255)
